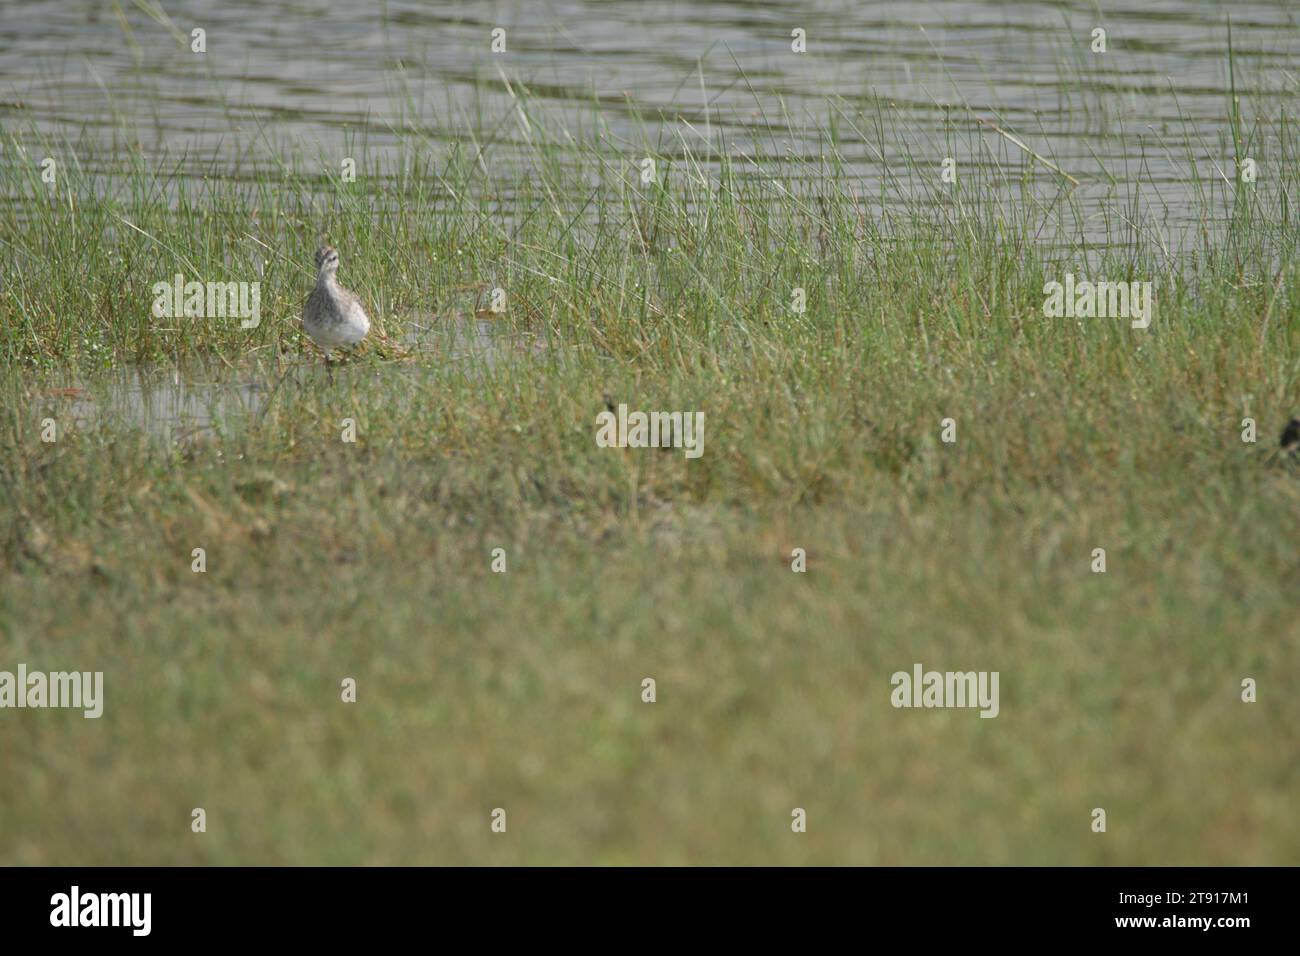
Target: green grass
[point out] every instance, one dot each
(521, 690)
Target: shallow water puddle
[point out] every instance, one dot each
(181, 402)
(464, 337)
(170, 403)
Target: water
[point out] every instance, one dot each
(181, 404)
(174, 404)
(470, 340)
(318, 80)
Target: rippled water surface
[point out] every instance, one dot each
(322, 80)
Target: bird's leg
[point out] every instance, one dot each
(329, 367)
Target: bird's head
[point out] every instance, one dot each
(327, 261)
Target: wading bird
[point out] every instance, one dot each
(333, 315)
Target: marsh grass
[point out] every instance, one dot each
(476, 690)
